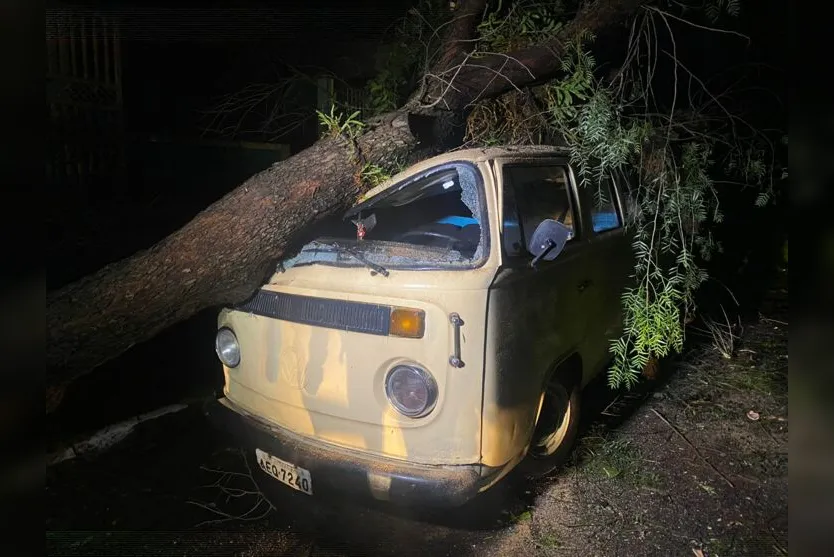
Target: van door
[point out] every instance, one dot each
(611, 262)
(536, 315)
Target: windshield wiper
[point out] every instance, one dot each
(358, 256)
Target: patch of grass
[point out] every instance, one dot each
(721, 547)
(548, 540)
(763, 369)
(758, 367)
(750, 378)
(706, 487)
(374, 175)
(707, 410)
(723, 334)
(610, 457)
(336, 124)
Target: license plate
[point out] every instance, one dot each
(288, 474)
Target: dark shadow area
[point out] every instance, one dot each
(492, 510)
(752, 257)
(178, 365)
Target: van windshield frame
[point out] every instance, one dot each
(437, 219)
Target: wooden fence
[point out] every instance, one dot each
(84, 97)
(348, 96)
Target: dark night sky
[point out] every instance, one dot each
(179, 54)
(292, 22)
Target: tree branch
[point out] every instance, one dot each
(527, 66)
(462, 30)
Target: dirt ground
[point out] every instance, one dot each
(694, 463)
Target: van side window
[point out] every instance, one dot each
(604, 214)
(533, 193)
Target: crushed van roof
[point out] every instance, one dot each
(476, 154)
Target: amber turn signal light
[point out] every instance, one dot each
(408, 323)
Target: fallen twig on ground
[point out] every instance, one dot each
(234, 493)
(228, 517)
(694, 448)
(108, 437)
(769, 320)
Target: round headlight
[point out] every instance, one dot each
(227, 347)
(411, 390)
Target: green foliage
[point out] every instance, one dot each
(670, 211)
(406, 52)
(673, 200)
(524, 516)
(335, 124)
(396, 64)
(714, 8)
(608, 457)
(373, 175)
(383, 91)
(749, 164)
(671, 154)
(600, 142)
(577, 85)
(521, 23)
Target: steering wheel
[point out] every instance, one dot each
(449, 238)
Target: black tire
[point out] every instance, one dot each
(556, 429)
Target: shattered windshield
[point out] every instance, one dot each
(436, 219)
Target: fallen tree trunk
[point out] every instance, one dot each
(221, 256)
(228, 250)
(490, 75)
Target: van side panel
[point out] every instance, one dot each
(535, 320)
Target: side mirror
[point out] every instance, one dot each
(548, 240)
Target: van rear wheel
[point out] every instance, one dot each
(556, 428)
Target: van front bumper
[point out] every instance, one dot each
(336, 470)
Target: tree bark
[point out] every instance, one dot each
(456, 87)
(461, 33)
(221, 256)
(229, 249)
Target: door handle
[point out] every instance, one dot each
(457, 323)
(584, 284)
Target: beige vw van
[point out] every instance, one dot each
(435, 336)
